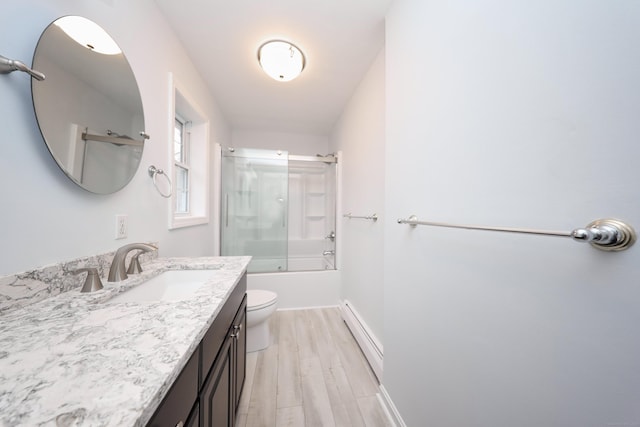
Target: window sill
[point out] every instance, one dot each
(187, 221)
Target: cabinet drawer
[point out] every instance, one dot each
(180, 399)
(218, 332)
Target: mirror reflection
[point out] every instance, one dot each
(89, 108)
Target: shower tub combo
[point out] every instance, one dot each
(281, 210)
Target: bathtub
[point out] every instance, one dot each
(307, 279)
(300, 289)
(297, 263)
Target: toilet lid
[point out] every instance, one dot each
(257, 299)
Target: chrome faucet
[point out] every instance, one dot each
(118, 270)
(329, 253)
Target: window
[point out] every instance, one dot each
(189, 160)
(181, 165)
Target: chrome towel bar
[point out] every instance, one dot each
(605, 234)
(373, 217)
(117, 140)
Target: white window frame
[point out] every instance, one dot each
(183, 106)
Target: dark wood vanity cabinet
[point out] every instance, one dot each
(210, 398)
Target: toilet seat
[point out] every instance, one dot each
(257, 299)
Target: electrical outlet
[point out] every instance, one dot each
(121, 226)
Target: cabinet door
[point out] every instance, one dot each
(240, 351)
(179, 401)
(194, 418)
(217, 400)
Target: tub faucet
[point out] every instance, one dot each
(329, 253)
(118, 270)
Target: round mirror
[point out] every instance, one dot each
(88, 108)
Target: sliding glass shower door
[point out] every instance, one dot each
(255, 207)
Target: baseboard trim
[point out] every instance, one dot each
(390, 408)
(370, 345)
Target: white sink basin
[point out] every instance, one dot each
(172, 285)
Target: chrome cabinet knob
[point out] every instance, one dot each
(236, 331)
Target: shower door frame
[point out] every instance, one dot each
(329, 159)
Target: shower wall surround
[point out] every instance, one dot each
(22, 289)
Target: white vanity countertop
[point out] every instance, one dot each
(77, 359)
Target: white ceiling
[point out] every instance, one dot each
(340, 39)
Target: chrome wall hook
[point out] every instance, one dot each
(10, 65)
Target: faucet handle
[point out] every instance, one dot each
(134, 264)
(92, 282)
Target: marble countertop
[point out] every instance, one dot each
(78, 359)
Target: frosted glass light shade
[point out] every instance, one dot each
(281, 60)
(88, 34)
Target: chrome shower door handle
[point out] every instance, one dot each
(226, 210)
(284, 211)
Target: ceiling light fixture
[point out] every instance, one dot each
(281, 60)
(88, 34)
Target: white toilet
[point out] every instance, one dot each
(260, 306)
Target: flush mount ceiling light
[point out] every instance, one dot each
(281, 60)
(88, 34)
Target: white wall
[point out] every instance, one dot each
(360, 135)
(301, 144)
(45, 218)
(519, 114)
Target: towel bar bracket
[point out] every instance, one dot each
(606, 234)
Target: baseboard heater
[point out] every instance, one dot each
(371, 347)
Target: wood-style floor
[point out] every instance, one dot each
(312, 374)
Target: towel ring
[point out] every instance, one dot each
(153, 173)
